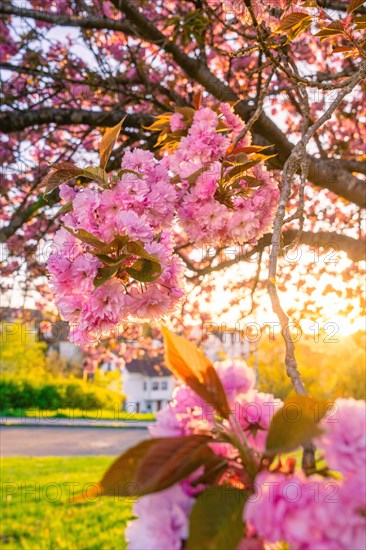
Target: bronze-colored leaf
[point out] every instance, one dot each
(187, 362)
(197, 97)
(292, 21)
(161, 122)
(360, 22)
(335, 28)
(107, 143)
(354, 4)
(60, 173)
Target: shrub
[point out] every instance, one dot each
(58, 394)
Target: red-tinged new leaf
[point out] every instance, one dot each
(344, 49)
(109, 139)
(197, 100)
(354, 4)
(171, 460)
(187, 362)
(119, 479)
(214, 468)
(154, 465)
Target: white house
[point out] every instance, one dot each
(226, 345)
(147, 384)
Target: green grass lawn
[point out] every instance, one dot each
(105, 414)
(38, 514)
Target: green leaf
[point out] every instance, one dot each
(64, 209)
(134, 247)
(145, 271)
(96, 173)
(354, 4)
(216, 520)
(85, 237)
(193, 177)
(187, 362)
(107, 260)
(128, 171)
(107, 143)
(295, 424)
(115, 246)
(104, 273)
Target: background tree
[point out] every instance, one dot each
(294, 71)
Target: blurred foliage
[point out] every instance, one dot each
(28, 393)
(20, 350)
(329, 369)
(112, 413)
(34, 377)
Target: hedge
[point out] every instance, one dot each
(24, 393)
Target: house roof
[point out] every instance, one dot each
(148, 366)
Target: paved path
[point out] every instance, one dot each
(63, 441)
(73, 422)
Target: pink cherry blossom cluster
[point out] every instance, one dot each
(210, 209)
(138, 204)
(141, 203)
(188, 414)
(317, 512)
(306, 512)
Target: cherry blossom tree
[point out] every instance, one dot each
(224, 123)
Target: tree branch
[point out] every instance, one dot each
(62, 20)
(332, 241)
(15, 121)
(343, 184)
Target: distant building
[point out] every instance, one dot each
(147, 383)
(227, 344)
